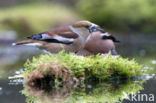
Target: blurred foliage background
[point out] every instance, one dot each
(121, 15)
(28, 17)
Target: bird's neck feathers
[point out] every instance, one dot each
(80, 31)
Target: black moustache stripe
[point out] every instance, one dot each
(111, 38)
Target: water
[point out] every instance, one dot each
(10, 93)
(141, 47)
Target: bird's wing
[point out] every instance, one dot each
(62, 35)
(65, 31)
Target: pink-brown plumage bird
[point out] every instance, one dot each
(69, 38)
(82, 37)
(99, 42)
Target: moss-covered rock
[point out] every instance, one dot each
(69, 66)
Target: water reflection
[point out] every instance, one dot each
(92, 92)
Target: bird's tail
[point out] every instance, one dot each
(28, 42)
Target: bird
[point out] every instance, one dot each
(70, 38)
(99, 42)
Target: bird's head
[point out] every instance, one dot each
(84, 27)
(91, 27)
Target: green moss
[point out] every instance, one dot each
(101, 67)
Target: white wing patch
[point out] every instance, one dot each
(33, 44)
(46, 36)
(57, 37)
(63, 39)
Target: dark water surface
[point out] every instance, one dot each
(140, 47)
